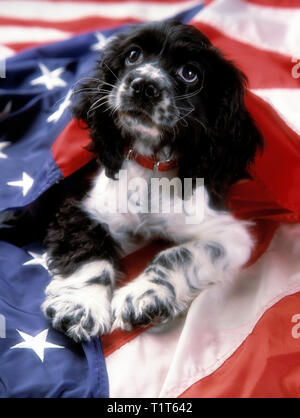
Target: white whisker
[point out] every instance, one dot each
(111, 71)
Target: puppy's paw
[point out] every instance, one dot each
(147, 300)
(80, 313)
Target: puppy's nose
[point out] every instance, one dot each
(145, 88)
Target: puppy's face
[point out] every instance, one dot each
(150, 74)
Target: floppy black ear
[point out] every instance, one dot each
(106, 142)
(89, 106)
(232, 118)
(228, 139)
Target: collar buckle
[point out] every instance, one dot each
(156, 165)
(129, 154)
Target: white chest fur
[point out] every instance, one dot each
(131, 206)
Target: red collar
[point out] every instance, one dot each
(150, 162)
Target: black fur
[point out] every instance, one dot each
(73, 238)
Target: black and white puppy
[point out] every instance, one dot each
(165, 93)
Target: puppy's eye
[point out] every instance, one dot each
(188, 73)
(134, 56)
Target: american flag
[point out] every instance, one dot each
(241, 339)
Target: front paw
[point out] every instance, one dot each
(143, 302)
(80, 313)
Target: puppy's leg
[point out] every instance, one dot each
(177, 275)
(82, 258)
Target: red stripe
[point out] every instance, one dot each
(267, 364)
(264, 69)
(276, 3)
(76, 26)
(69, 150)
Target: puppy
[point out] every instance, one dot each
(164, 104)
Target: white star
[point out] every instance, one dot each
(101, 41)
(3, 145)
(57, 114)
(6, 109)
(26, 183)
(49, 78)
(40, 259)
(37, 343)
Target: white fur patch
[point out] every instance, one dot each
(84, 273)
(150, 70)
(134, 124)
(81, 309)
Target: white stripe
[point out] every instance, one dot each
(24, 34)
(219, 320)
(6, 52)
(67, 11)
(145, 361)
(275, 29)
(286, 102)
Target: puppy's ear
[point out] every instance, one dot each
(229, 142)
(232, 119)
(234, 127)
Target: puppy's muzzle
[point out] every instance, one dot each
(145, 94)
